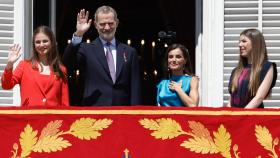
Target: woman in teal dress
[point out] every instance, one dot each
(180, 86)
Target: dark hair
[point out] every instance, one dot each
(106, 9)
(52, 56)
(188, 67)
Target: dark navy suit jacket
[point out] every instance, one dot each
(99, 88)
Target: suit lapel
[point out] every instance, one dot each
(98, 49)
(37, 80)
(122, 57)
(50, 83)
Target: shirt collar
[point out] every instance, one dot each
(113, 42)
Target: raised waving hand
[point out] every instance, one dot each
(83, 23)
(14, 54)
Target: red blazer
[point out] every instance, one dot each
(32, 92)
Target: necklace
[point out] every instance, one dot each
(44, 68)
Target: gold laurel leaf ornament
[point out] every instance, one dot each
(51, 139)
(149, 124)
(164, 128)
(87, 128)
(51, 129)
(265, 139)
(199, 130)
(223, 141)
(28, 139)
(200, 140)
(168, 129)
(200, 145)
(51, 144)
(101, 124)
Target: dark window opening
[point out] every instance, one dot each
(139, 19)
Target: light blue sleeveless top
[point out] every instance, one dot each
(167, 97)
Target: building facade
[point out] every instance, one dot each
(218, 25)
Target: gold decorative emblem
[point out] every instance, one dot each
(265, 139)
(126, 153)
(51, 140)
(200, 140)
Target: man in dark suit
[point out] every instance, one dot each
(112, 75)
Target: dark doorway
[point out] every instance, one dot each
(139, 19)
(41, 13)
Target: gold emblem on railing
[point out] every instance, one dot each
(200, 140)
(51, 140)
(265, 139)
(126, 154)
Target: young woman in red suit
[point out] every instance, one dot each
(42, 78)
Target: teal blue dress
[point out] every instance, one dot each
(167, 97)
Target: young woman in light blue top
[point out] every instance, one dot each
(180, 86)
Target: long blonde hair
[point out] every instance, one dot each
(258, 56)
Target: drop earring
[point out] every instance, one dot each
(169, 73)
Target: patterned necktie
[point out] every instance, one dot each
(110, 61)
